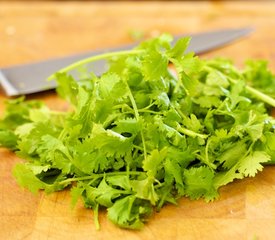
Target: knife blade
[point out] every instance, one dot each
(31, 78)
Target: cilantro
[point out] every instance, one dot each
(139, 136)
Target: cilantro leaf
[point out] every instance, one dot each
(8, 139)
(26, 178)
(110, 142)
(199, 182)
(251, 164)
(129, 212)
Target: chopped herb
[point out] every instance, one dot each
(138, 136)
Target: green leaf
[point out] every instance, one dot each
(224, 177)
(128, 125)
(129, 212)
(111, 86)
(269, 145)
(258, 75)
(8, 139)
(30, 135)
(67, 87)
(161, 99)
(103, 194)
(87, 159)
(179, 48)
(208, 101)
(121, 181)
(189, 84)
(110, 142)
(251, 164)
(155, 66)
(40, 115)
(53, 150)
(232, 154)
(103, 110)
(173, 170)
(217, 79)
(144, 189)
(192, 123)
(154, 161)
(26, 178)
(76, 193)
(17, 112)
(199, 183)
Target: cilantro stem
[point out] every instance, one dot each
(149, 106)
(256, 93)
(190, 133)
(138, 147)
(135, 108)
(122, 106)
(144, 111)
(97, 175)
(96, 220)
(150, 111)
(96, 58)
(260, 95)
(178, 111)
(206, 161)
(213, 166)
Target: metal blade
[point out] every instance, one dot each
(31, 78)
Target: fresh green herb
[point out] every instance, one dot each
(139, 136)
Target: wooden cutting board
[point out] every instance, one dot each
(33, 30)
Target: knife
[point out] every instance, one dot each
(31, 78)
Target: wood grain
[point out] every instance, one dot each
(39, 30)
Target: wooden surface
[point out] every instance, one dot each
(35, 31)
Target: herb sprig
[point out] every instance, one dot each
(142, 135)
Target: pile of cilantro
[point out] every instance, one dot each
(158, 125)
